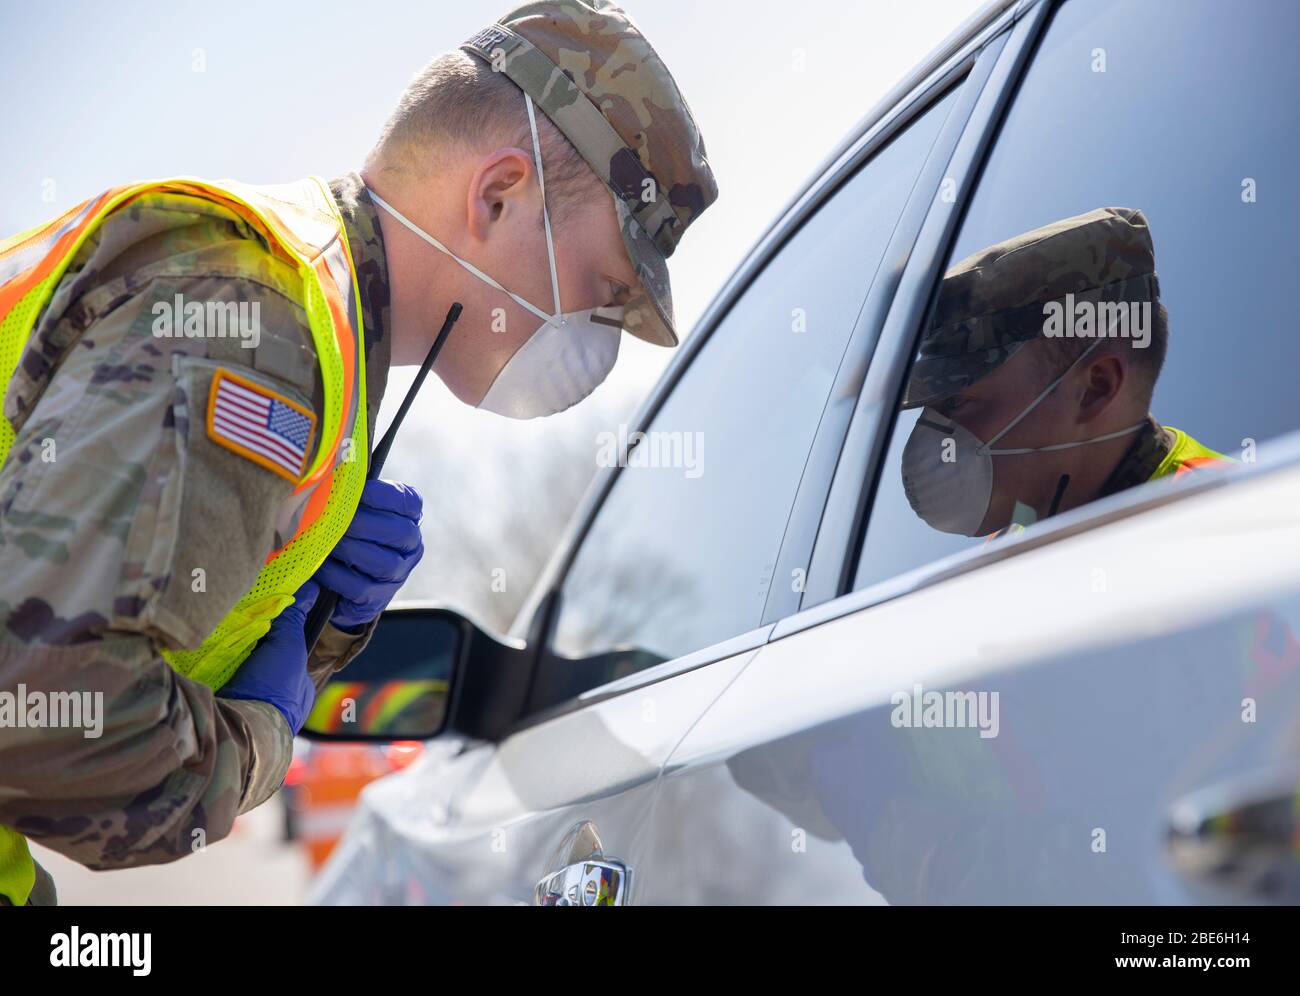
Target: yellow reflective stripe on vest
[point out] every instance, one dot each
(303, 222)
(1185, 448)
(17, 870)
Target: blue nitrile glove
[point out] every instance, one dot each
(276, 670)
(377, 553)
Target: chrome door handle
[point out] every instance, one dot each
(579, 873)
(1241, 834)
(597, 882)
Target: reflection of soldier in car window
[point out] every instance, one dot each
(1036, 374)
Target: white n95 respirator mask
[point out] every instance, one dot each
(558, 366)
(567, 357)
(948, 471)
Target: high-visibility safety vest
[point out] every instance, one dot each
(1185, 456)
(302, 225)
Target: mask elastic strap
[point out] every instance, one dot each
(468, 266)
(1066, 446)
(988, 447)
(546, 216)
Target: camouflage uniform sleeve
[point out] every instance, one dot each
(124, 529)
(335, 650)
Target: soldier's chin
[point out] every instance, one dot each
(991, 524)
(1003, 514)
(997, 518)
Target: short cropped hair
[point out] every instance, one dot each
(1145, 363)
(457, 100)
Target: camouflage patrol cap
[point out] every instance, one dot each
(589, 68)
(991, 303)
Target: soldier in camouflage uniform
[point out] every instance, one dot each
(1039, 346)
(88, 541)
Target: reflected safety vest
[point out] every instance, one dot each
(1186, 456)
(302, 226)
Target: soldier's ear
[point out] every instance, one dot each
(1103, 380)
(497, 191)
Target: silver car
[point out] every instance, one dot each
(751, 673)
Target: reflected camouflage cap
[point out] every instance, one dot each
(991, 303)
(589, 68)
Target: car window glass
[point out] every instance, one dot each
(682, 551)
(1146, 163)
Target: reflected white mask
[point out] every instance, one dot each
(950, 485)
(567, 357)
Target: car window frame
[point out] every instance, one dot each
(843, 526)
(841, 539)
(967, 60)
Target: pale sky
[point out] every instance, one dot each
(268, 92)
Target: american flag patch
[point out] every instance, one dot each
(257, 423)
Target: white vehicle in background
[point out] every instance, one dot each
(717, 692)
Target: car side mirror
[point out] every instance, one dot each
(425, 672)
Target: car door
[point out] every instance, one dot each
(1117, 688)
(685, 553)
